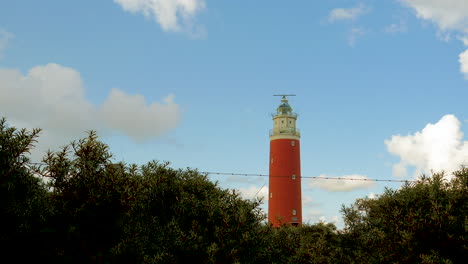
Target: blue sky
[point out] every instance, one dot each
(381, 85)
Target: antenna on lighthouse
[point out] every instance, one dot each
(284, 99)
(284, 95)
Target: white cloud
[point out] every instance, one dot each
(307, 200)
(310, 211)
(354, 34)
(52, 97)
(131, 115)
(345, 184)
(347, 13)
(399, 170)
(446, 14)
(464, 40)
(463, 59)
(171, 15)
(5, 37)
(310, 215)
(254, 191)
(437, 147)
(333, 219)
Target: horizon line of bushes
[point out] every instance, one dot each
(90, 213)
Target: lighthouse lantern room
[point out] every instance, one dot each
(285, 199)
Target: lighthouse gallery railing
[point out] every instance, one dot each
(285, 131)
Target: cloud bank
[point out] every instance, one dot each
(53, 97)
(437, 147)
(448, 16)
(353, 182)
(132, 116)
(171, 15)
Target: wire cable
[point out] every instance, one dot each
(284, 176)
(303, 177)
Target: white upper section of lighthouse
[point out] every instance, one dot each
(284, 122)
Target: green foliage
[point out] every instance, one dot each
(88, 194)
(150, 214)
(319, 243)
(24, 205)
(95, 211)
(180, 216)
(421, 222)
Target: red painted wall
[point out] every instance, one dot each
(284, 191)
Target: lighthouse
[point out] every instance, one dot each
(285, 198)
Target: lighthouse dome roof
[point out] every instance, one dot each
(285, 105)
(284, 108)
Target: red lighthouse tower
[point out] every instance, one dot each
(285, 198)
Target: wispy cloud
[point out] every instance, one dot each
(463, 59)
(354, 34)
(5, 38)
(352, 13)
(254, 191)
(346, 183)
(311, 215)
(171, 15)
(397, 27)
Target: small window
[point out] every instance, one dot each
(294, 212)
(271, 195)
(293, 143)
(290, 122)
(293, 176)
(282, 121)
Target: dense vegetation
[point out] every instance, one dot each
(93, 211)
